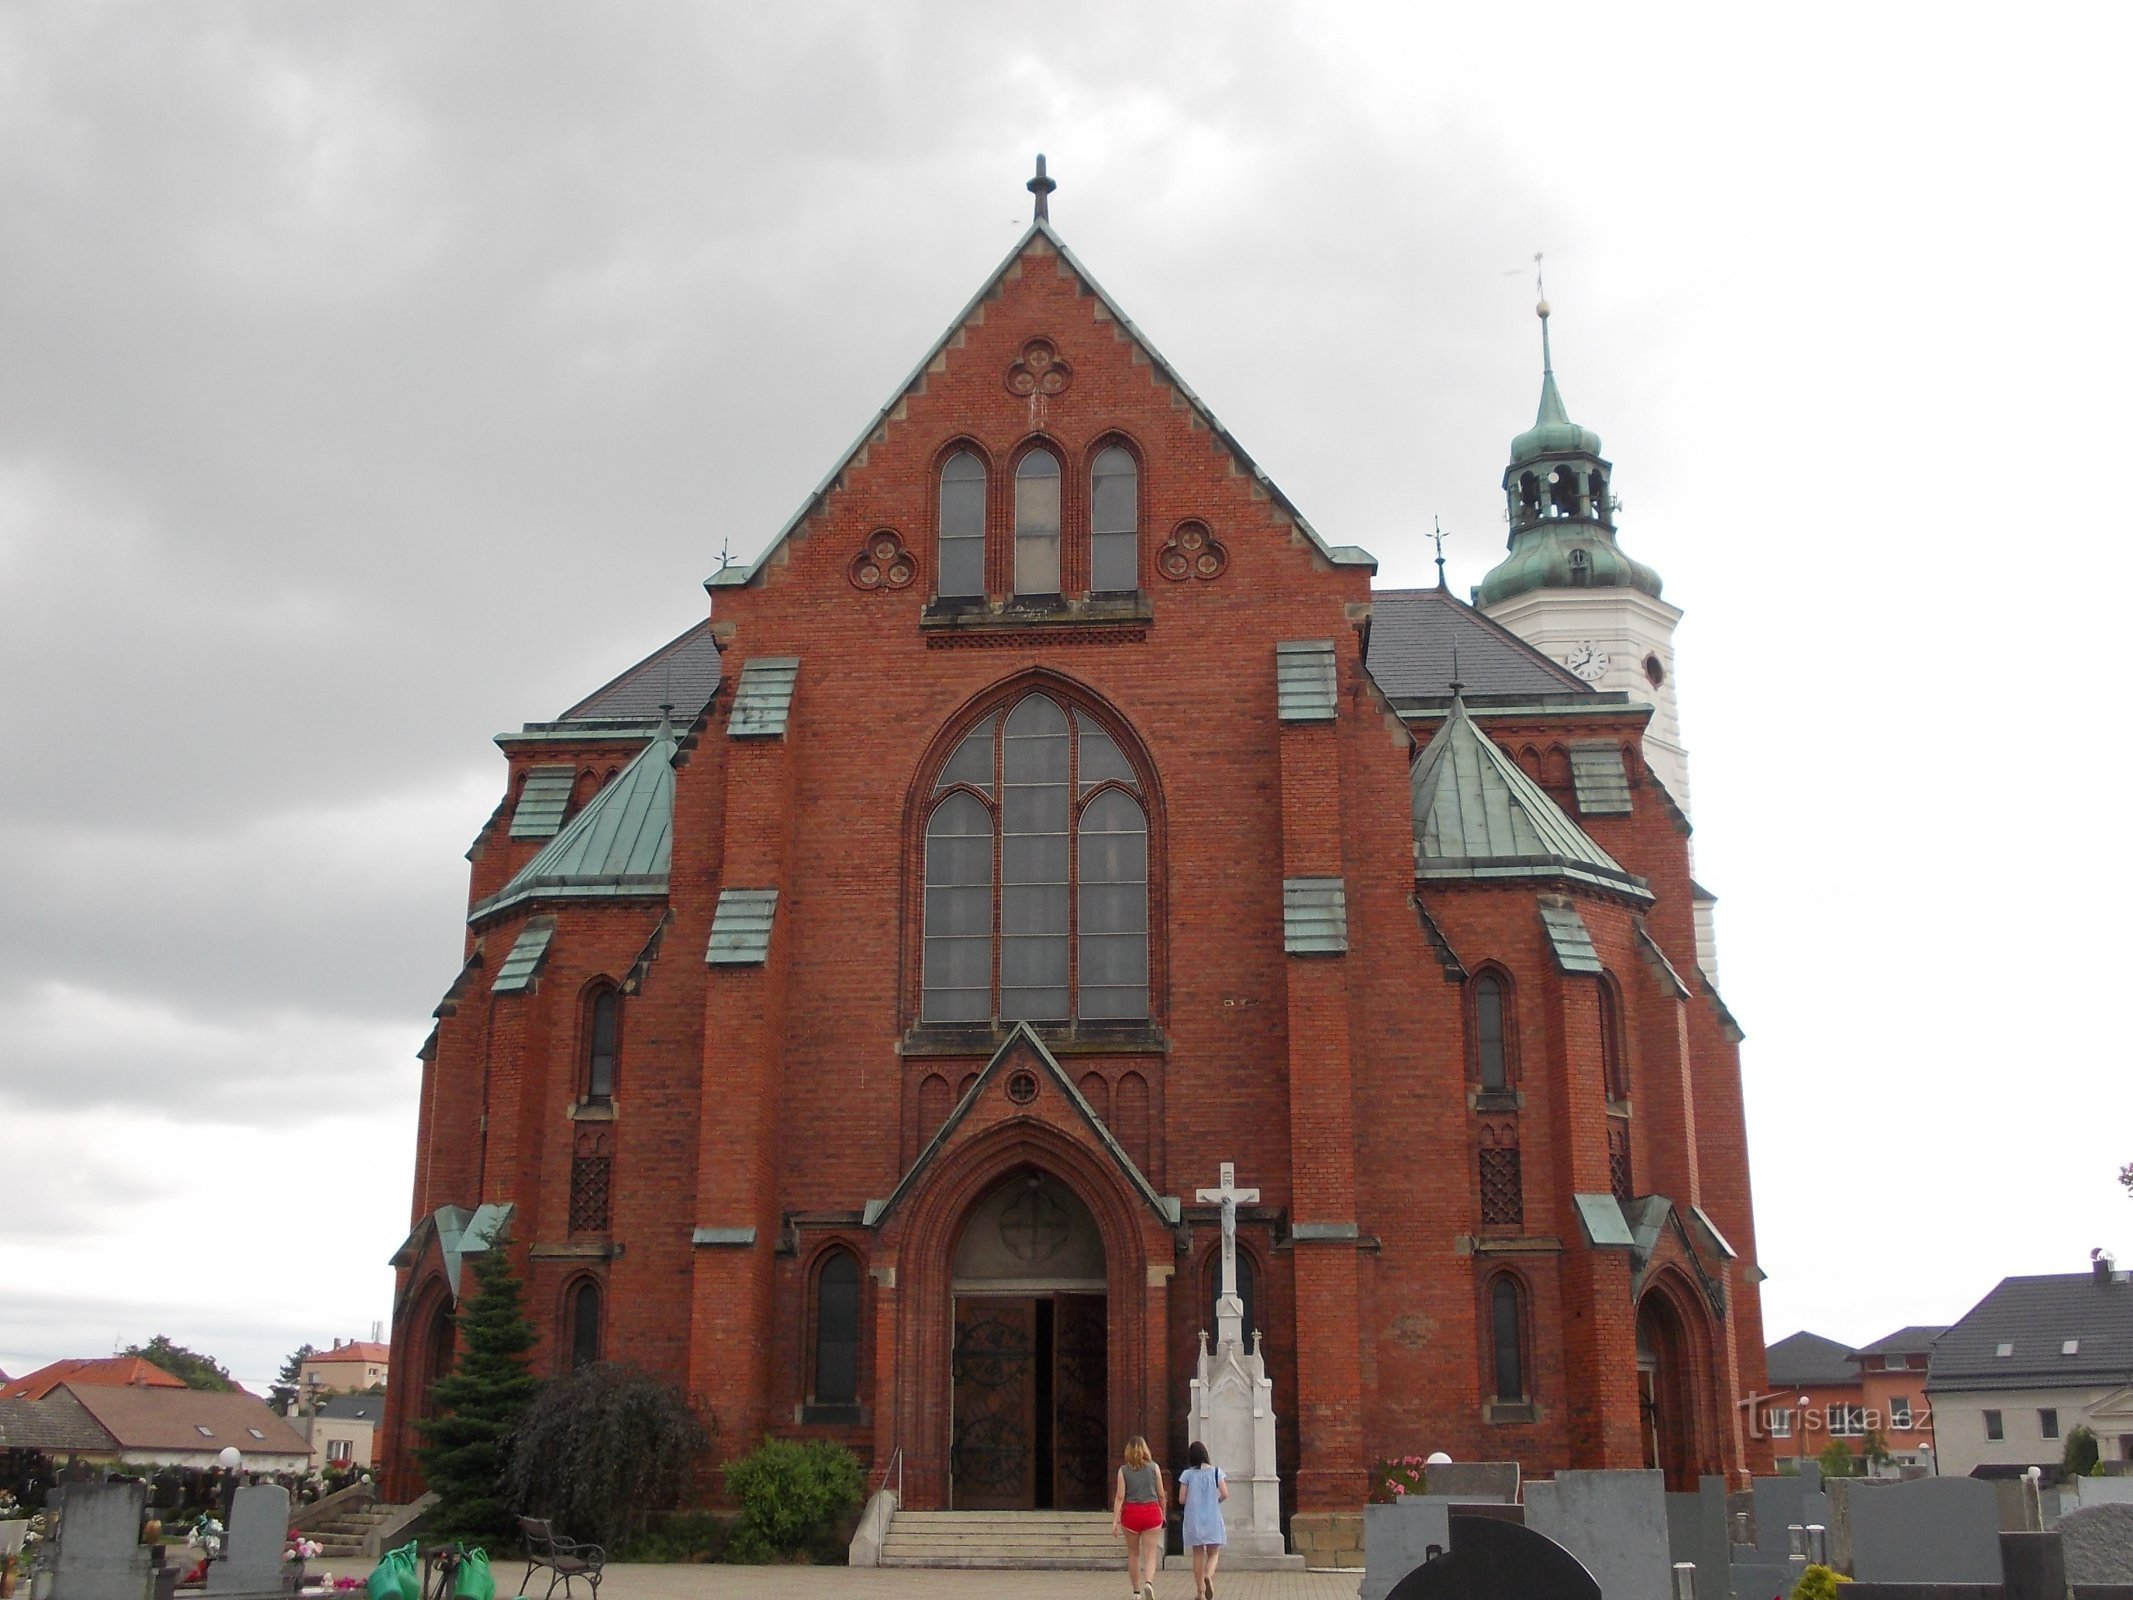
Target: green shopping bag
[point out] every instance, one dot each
(398, 1576)
(474, 1581)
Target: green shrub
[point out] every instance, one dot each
(1837, 1460)
(791, 1496)
(2082, 1455)
(1818, 1583)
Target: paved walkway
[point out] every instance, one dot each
(909, 1583)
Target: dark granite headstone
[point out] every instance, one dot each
(1493, 1559)
(1936, 1530)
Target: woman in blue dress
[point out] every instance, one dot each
(1202, 1488)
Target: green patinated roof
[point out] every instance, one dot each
(1570, 939)
(1552, 433)
(618, 847)
(1306, 684)
(740, 928)
(515, 976)
(1478, 816)
(1314, 916)
(1540, 558)
(1597, 776)
(764, 698)
(1601, 1217)
(542, 801)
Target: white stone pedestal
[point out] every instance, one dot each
(1233, 1415)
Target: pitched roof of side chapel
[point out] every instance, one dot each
(1422, 639)
(618, 847)
(1478, 816)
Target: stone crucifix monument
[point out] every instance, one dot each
(1233, 1406)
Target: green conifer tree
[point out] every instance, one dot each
(478, 1406)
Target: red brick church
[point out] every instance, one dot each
(859, 990)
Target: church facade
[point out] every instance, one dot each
(861, 991)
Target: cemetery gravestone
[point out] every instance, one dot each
(1936, 1530)
(1397, 1538)
(1698, 1531)
(100, 1554)
(1494, 1559)
(2097, 1544)
(252, 1548)
(1613, 1521)
(1485, 1482)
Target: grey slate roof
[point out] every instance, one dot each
(57, 1423)
(1808, 1358)
(1478, 816)
(619, 846)
(354, 1408)
(1415, 632)
(684, 670)
(2038, 1316)
(1919, 1336)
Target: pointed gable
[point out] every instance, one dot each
(1023, 1047)
(1478, 816)
(618, 847)
(1040, 242)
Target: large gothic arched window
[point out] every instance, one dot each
(1036, 902)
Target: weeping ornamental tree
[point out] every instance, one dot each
(478, 1406)
(599, 1451)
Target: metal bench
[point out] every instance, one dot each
(565, 1560)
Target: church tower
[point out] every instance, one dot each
(1568, 589)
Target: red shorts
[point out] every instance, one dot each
(1138, 1516)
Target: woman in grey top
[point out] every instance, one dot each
(1137, 1513)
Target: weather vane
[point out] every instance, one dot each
(1438, 536)
(725, 553)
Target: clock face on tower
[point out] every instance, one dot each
(1587, 661)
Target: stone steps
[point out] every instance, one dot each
(342, 1536)
(1066, 1541)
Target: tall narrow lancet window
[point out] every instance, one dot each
(959, 908)
(584, 1329)
(1114, 522)
(837, 1330)
(1036, 806)
(1488, 1031)
(1037, 524)
(1114, 907)
(962, 525)
(1036, 876)
(1616, 1080)
(1506, 1337)
(603, 1031)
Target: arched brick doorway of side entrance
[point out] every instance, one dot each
(916, 1410)
(1673, 1384)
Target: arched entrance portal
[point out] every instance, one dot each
(1030, 1353)
(1664, 1393)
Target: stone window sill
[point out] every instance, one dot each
(1507, 1411)
(979, 614)
(592, 1111)
(1495, 1099)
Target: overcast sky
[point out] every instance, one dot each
(375, 378)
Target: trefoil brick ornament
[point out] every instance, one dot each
(884, 562)
(1192, 552)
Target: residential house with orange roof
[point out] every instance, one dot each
(350, 1365)
(101, 1372)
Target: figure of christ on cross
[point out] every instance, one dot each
(1229, 1308)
